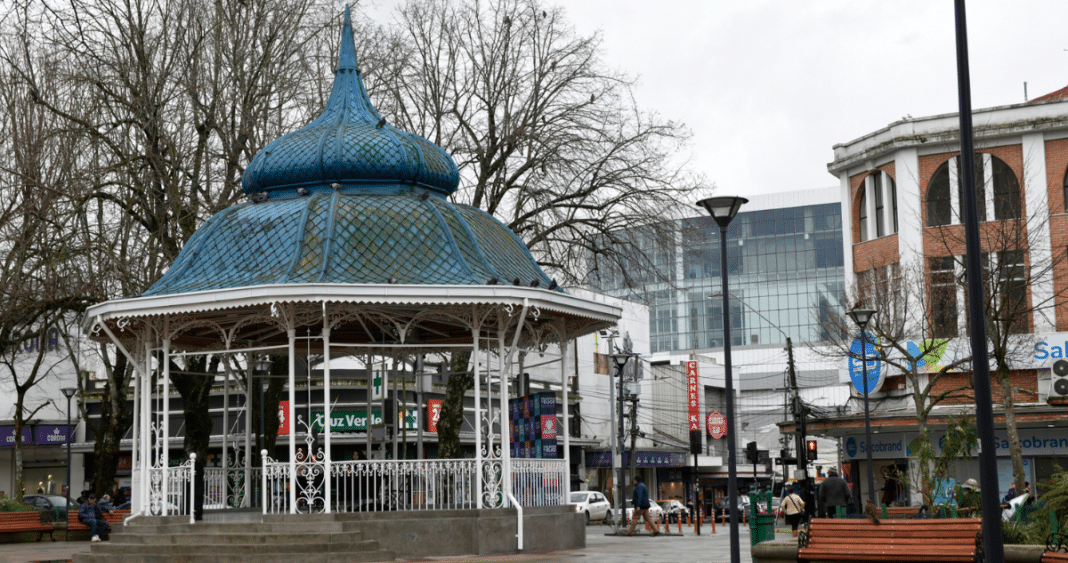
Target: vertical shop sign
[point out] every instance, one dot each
(693, 397)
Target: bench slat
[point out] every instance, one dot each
(891, 540)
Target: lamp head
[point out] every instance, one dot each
(69, 392)
(262, 365)
(862, 317)
(723, 209)
(619, 360)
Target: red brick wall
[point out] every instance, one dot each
(1025, 380)
(1056, 164)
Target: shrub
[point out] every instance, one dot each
(8, 504)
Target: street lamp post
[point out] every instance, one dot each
(862, 317)
(620, 361)
(262, 366)
(723, 210)
(68, 392)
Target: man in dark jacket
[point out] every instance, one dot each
(640, 501)
(834, 492)
(90, 515)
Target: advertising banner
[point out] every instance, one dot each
(533, 426)
(433, 414)
(7, 436)
(716, 424)
(47, 435)
(693, 397)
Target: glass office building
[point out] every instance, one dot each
(785, 270)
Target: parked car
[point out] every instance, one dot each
(655, 511)
(57, 504)
(592, 503)
(673, 508)
(722, 506)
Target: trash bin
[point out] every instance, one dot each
(761, 524)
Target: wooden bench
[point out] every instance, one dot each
(901, 511)
(113, 517)
(27, 521)
(1056, 548)
(860, 539)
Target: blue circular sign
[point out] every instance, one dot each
(851, 447)
(856, 366)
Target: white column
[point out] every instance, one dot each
(226, 426)
(146, 423)
(910, 217)
(478, 419)
(292, 333)
(137, 504)
(247, 502)
(954, 192)
(962, 303)
(1036, 203)
(869, 202)
(326, 409)
(165, 430)
(988, 186)
(567, 425)
(506, 437)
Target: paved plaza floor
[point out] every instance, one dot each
(600, 548)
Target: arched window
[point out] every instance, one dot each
(893, 199)
(863, 215)
(1006, 191)
(939, 207)
(1066, 190)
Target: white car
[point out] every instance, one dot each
(591, 503)
(655, 511)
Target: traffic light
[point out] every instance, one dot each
(751, 452)
(810, 446)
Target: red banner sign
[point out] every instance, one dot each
(693, 397)
(433, 414)
(716, 424)
(283, 418)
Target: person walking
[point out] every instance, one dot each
(834, 492)
(794, 508)
(640, 501)
(90, 515)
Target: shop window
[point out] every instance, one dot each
(939, 207)
(943, 297)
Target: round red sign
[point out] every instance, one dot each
(716, 424)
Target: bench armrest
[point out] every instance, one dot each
(1057, 542)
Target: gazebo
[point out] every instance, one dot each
(348, 246)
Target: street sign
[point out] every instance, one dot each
(874, 367)
(716, 424)
(693, 397)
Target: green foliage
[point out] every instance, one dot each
(8, 504)
(1016, 533)
(960, 441)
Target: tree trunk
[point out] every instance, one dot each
(1015, 451)
(115, 421)
(461, 379)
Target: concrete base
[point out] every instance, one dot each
(440, 533)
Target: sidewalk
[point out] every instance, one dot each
(600, 548)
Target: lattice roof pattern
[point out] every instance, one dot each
(349, 144)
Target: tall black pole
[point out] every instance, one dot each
(984, 412)
(263, 436)
(622, 448)
(70, 438)
(867, 415)
(732, 461)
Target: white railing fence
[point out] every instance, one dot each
(228, 488)
(539, 482)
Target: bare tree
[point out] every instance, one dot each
(904, 333)
(547, 138)
(43, 280)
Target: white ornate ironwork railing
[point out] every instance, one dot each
(362, 486)
(274, 486)
(227, 488)
(539, 482)
(176, 500)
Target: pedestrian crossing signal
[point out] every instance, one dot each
(810, 447)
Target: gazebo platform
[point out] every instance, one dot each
(233, 536)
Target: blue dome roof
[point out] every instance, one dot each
(350, 145)
(350, 238)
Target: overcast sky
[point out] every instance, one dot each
(768, 87)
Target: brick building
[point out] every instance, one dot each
(900, 193)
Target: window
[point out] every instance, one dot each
(989, 171)
(1066, 190)
(1012, 289)
(877, 191)
(863, 214)
(893, 199)
(943, 297)
(1006, 191)
(939, 207)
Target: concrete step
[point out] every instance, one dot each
(238, 528)
(122, 551)
(251, 537)
(356, 557)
